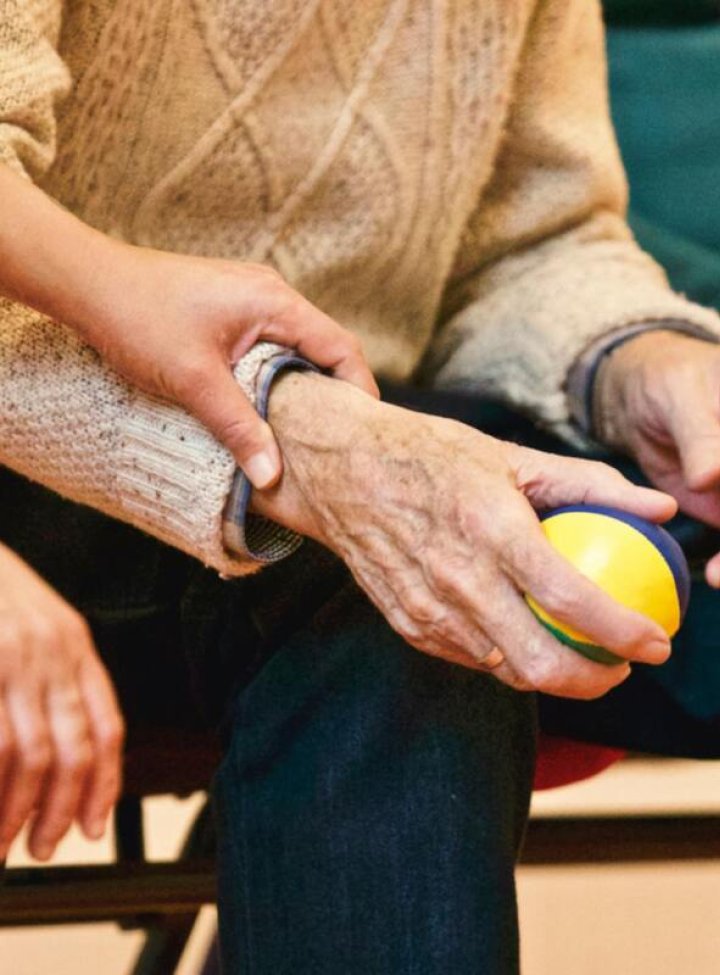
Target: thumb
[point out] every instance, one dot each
(696, 431)
(215, 398)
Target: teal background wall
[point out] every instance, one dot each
(664, 60)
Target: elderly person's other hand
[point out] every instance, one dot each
(657, 398)
(60, 728)
(436, 522)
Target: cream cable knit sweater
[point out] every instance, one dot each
(439, 175)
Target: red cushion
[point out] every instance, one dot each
(562, 761)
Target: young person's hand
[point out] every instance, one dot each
(436, 522)
(172, 325)
(61, 731)
(657, 398)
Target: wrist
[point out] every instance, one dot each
(320, 424)
(310, 401)
(57, 263)
(581, 379)
(89, 297)
(623, 376)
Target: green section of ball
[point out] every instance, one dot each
(589, 650)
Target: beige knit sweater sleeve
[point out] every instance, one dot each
(547, 263)
(67, 420)
(33, 78)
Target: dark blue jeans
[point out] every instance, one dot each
(372, 800)
(371, 805)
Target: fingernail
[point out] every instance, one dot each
(43, 851)
(261, 469)
(96, 829)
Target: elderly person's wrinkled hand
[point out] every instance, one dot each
(437, 523)
(61, 730)
(657, 398)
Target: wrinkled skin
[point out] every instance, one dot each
(437, 523)
(658, 400)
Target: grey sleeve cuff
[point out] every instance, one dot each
(580, 385)
(246, 534)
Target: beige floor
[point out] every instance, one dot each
(629, 920)
(644, 920)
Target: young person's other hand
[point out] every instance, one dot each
(61, 731)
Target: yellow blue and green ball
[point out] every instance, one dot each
(636, 562)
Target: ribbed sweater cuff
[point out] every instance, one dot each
(174, 478)
(244, 533)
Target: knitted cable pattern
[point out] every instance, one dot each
(438, 175)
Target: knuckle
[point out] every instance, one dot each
(443, 577)
(408, 632)
(518, 550)
(76, 629)
(75, 761)
(560, 601)
(419, 608)
(445, 630)
(36, 756)
(506, 534)
(13, 633)
(405, 628)
(291, 307)
(541, 672)
(607, 472)
(43, 631)
(111, 736)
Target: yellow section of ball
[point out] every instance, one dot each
(620, 560)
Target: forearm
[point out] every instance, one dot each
(49, 259)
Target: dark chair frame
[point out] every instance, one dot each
(162, 898)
